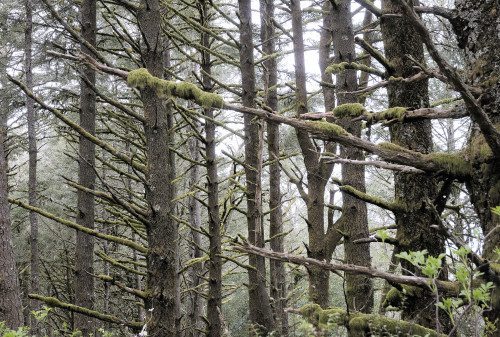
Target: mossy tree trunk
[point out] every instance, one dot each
(260, 313)
(270, 78)
(84, 251)
(412, 191)
(477, 30)
(214, 301)
(354, 213)
(163, 301)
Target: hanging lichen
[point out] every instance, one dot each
(349, 110)
(140, 78)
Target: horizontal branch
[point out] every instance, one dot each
(54, 302)
(376, 163)
(451, 288)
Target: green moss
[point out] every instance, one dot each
(334, 315)
(453, 164)
(479, 150)
(336, 68)
(445, 101)
(349, 110)
(339, 67)
(393, 298)
(391, 113)
(359, 324)
(326, 127)
(140, 78)
(392, 147)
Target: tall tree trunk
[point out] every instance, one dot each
(30, 111)
(413, 225)
(11, 310)
(260, 314)
(195, 300)
(163, 301)
(318, 174)
(214, 302)
(354, 212)
(477, 31)
(84, 251)
(270, 80)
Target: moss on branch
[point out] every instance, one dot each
(141, 78)
(326, 128)
(54, 302)
(363, 323)
(349, 110)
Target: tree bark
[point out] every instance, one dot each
(163, 301)
(214, 302)
(477, 31)
(354, 212)
(30, 112)
(84, 251)
(411, 191)
(195, 300)
(260, 314)
(11, 310)
(277, 270)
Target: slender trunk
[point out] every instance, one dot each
(260, 314)
(84, 252)
(11, 310)
(354, 212)
(317, 173)
(270, 79)
(195, 300)
(30, 111)
(414, 232)
(162, 302)
(214, 302)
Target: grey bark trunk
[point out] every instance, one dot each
(277, 270)
(84, 251)
(30, 111)
(163, 301)
(260, 314)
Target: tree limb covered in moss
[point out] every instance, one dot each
(450, 288)
(491, 134)
(73, 225)
(54, 302)
(122, 286)
(377, 163)
(364, 324)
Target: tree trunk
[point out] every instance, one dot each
(270, 79)
(195, 300)
(30, 111)
(163, 301)
(84, 251)
(354, 212)
(260, 314)
(411, 191)
(214, 302)
(477, 31)
(11, 310)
